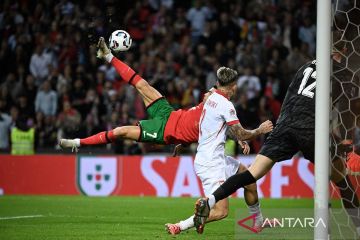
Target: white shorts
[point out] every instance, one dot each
(213, 176)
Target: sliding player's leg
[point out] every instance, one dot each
(279, 146)
(147, 92)
(220, 211)
(348, 194)
(258, 169)
(211, 177)
(123, 132)
(221, 208)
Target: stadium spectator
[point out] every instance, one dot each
(307, 34)
(249, 84)
(227, 30)
(46, 100)
(22, 139)
(39, 64)
(26, 110)
(197, 16)
(137, 20)
(290, 32)
(5, 124)
(30, 89)
(77, 97)
(46, 132)
(69, 121)
(10, 86)
(14, 114)
(246, 111)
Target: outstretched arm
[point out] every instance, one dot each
(238, 133)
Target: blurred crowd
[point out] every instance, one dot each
(52, 82)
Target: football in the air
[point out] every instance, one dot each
(120, 41)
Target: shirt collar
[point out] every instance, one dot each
(222, 94)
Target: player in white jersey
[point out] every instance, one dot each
(218, 113)
(218, 116)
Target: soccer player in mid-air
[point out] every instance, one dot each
(293, 132)
(166, 126)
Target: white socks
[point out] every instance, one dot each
(186, 224)
(211, 201)
(109, 57)
(256, 209)
(77, 142)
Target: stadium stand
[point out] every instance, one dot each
(51, 81)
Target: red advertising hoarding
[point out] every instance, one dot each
(137, 175)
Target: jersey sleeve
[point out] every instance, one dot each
(229, 115)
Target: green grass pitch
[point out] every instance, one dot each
(70, 217)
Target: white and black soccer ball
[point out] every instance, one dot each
(120, 41)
